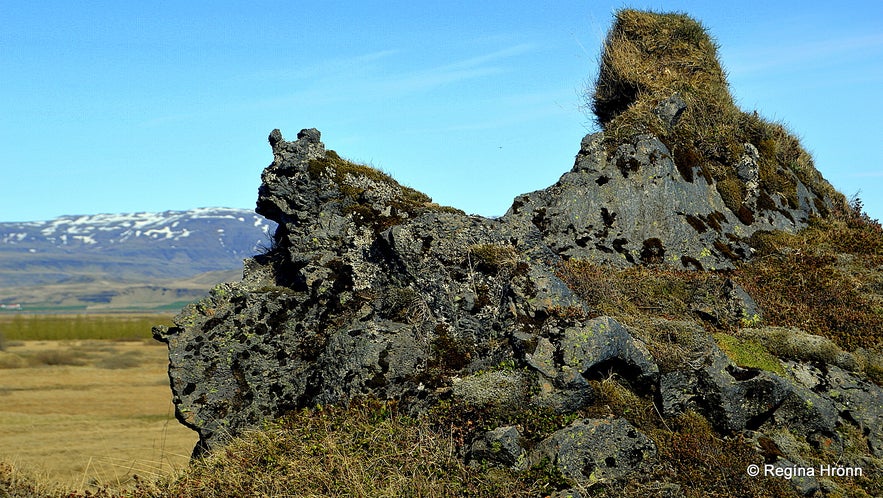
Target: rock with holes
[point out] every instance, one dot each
(603, 344)
(732, 398)
(595, 450)
(501, 446)
(635, 205)
(370, 289)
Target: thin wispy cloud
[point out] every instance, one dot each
(389, 73)
(479, 60)
(462, 70)
(381, 75)
(804, 55)
(425, 80)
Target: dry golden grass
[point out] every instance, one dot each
(98, 423)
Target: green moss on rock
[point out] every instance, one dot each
(748, 353)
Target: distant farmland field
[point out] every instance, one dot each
(85, 400)
(27, 327)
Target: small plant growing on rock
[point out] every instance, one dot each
(498, 257)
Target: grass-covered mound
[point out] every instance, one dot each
(647, 59)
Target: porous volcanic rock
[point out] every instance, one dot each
(635, 206)
(372, 290)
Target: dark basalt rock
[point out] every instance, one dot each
(634, 206)
(501, 446)
(370, 289)
(596, 450)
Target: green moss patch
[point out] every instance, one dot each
(748, 353)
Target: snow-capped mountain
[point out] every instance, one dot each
(129, 248)
(236, 232)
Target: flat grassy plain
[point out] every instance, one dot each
(85, 400)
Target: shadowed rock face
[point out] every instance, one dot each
(371, 289)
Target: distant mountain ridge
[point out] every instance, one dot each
(93, 259)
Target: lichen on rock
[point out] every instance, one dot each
(372, 290)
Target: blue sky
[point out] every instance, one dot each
(148, 106)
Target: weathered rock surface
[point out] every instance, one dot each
(372, 290)
(595, 450)
(603, 344)
(502, 446)
(636, 206)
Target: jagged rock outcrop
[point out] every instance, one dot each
(636, 206)
(371, 289)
